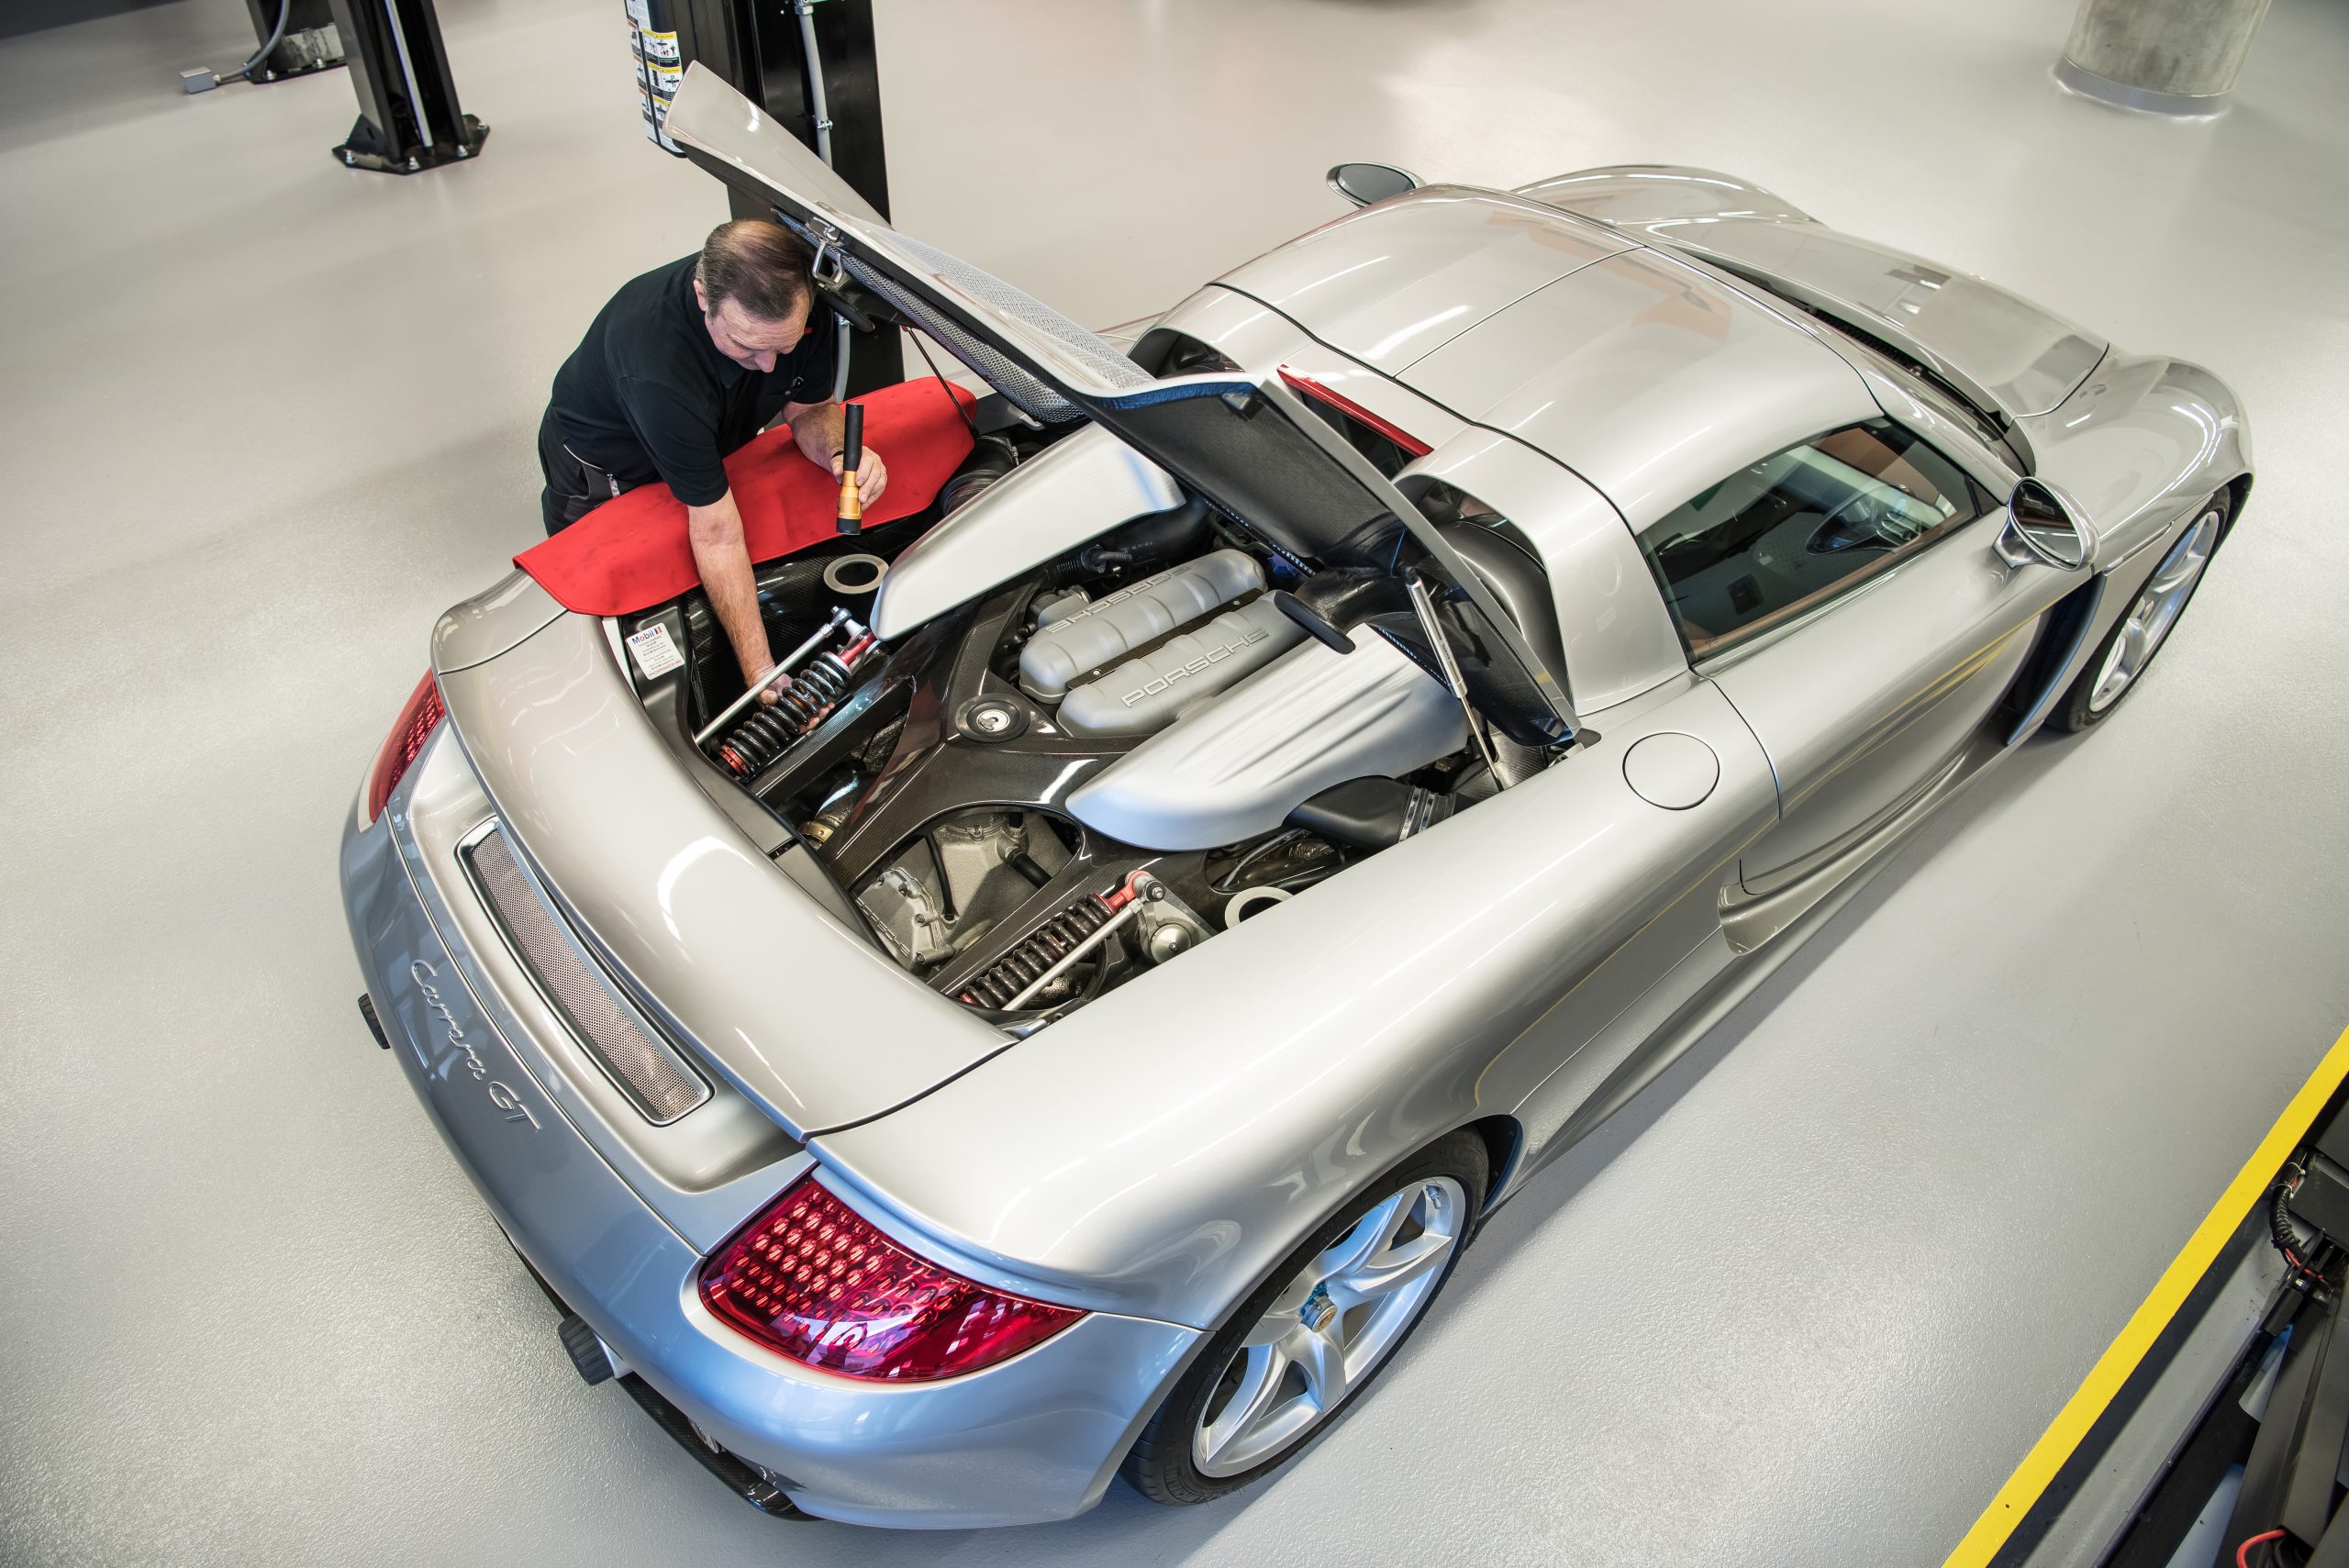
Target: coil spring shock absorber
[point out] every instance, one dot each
(1083, 925)
(814, 689)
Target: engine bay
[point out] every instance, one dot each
(1094, 766)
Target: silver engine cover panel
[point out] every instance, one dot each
(1077, 489)
(1116, 625)
(1238, 766)
(1152, 691)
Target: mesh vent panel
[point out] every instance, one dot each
(647, 1069)
(1032, 396)
(1112, 368)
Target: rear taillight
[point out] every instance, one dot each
(811, 1279)
(417, 716)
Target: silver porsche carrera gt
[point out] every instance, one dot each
(1329, 749)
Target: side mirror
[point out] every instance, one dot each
(1363, 183)
(2044, 526)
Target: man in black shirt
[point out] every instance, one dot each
(679, 371)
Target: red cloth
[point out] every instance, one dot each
(631, 554)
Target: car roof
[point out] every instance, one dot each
(1646, 375)
(2025, 356)
(1394, 281)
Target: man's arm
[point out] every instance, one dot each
(817, 429)
(677, 434)
(724, 563)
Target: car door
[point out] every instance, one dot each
(1847, 595)
(1665, 788)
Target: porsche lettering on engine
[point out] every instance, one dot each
(1150, 691)
(1119, 623)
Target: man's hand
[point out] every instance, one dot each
(871, 475)
(819, 432)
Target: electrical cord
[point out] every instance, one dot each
(2286, 1235)
(276, 35)
(2280, 1231)
(198, 79)
(2302, 1255)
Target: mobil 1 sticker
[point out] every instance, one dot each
(654, 650)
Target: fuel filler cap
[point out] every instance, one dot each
(1671, 770)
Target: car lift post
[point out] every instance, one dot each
(758, 48)
(408, 116)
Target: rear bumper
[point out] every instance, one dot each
(1035, 1438)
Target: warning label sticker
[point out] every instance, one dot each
(654, 651)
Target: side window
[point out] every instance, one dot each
(1777, 537)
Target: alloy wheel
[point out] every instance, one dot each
(1330, 1327)
(2156, 611)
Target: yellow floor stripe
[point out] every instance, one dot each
(2121, 1358)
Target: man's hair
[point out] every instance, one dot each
(757, 264)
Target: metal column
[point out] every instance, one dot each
(756, 46)
(2170, 57)
(408, 116)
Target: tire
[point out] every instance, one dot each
(2116, 669)
(1203, 1442)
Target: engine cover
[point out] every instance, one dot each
(1074, 490)
(1114, 626)
(1150, 691)
(1238, 766)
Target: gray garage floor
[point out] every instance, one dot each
(262, 417)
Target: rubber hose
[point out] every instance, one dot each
(276, 35)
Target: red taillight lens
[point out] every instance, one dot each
(417, 718)
(811, 1279)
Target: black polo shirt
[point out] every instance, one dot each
(647, 396)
